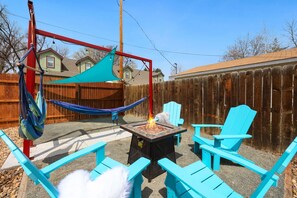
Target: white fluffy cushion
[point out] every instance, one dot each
(111, 184)
(163, 117)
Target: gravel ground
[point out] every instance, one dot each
(294, 178)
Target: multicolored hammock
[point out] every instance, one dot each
(32, 112)
(93, 111)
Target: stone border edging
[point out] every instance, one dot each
(23, 186)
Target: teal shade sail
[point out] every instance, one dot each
(100, 72)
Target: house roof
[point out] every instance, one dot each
(50, 50)
(85, 58)
(128, 67)
(289, 54)
(158, 73)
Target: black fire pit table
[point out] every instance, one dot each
(153, 146)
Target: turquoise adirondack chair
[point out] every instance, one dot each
(103, 164)
(197, 180)
(233, 132)
(174, 110)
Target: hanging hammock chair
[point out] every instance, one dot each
(32, 112)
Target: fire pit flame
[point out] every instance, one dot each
(151, 123)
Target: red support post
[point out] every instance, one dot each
(31, 61)
(151, 89)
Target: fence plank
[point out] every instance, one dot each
(286, 106)
(294, 108)
(234, 89)
(221, 95)
(257, 133)
(266, 110)
(242, 88)
(276, 108)
(197, 101)
(191, 102)
(250, 100)
(227, 93)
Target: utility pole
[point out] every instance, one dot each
(175, 68)
(121, 39)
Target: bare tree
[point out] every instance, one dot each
(63, 51)
(41, 42)
(246, 47)
(97, 55)
(12, 44)
(93, 53)
(291, 30)
(238, 50)
(275, 46)
(129, 62)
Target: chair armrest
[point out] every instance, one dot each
(222, 137)
(137, 167)
(198, 126)
(239, 160)
(179, 174)
(219, 138)
(207, 125)
(98, 148)
(180, 122)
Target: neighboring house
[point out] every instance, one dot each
(56, 65)
(138, 77)
(85, 63)
(158, 77)
(50, 60)
(284, 57)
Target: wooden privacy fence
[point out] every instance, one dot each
(271, 91)
(97, 95)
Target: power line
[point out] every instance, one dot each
(129, 44)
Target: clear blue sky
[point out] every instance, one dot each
(203, 27)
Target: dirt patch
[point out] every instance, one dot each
(10, 179)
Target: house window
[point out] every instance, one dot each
(160, 79)
(88, 66)
(127, 75)
(50, 62)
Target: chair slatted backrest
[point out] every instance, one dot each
(174, 110)
(238, 122)
(278, 167)
(30, 169)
